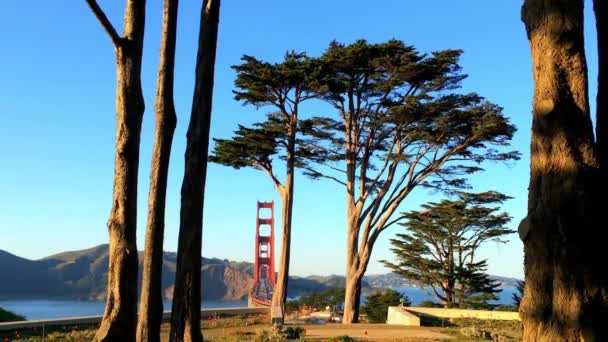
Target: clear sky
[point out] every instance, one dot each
(57, 75)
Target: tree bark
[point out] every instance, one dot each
(119, 319)
(279, 296)
(565, 297)
(151, 300)
(601, 16)
(185, 317)
(352, 298)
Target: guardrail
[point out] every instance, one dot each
(92, 320)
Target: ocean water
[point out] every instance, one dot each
(47, 309)
(418, 295)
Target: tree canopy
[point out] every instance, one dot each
(398, 123)
(438, 247)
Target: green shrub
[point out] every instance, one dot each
(376, 305)
(319, 300)
(7, 316)
(429, 304)
(294, 333)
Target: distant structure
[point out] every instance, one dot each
(263, 272)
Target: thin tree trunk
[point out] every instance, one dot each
(601, 18)
(279, 296)
(119, 319)
(151, 301)
(185, 316)
(565, 297)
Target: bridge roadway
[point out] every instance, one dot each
(262, 290)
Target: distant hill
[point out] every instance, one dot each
(82, 275)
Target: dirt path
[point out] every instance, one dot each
(375, 332)
(361, 332)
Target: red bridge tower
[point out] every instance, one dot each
(263, 272)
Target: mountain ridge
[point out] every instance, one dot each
(82, 275)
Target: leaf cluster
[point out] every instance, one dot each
(376, 304)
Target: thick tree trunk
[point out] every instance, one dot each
(565, 297)
(151, 300)
(185, 317)
(354, 268)
(119, 319)
(601, 21)
(352, 298)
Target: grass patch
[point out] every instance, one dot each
(469, 329)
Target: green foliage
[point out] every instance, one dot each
(294, 333)
(401, 108)
(376, 305)
(342, 338)
(438, 248)
(521, 284)
(282, 86)
(319, 300)
(8, 316)
(506, 307)
(430, 304)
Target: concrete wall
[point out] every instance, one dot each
(463, 313)
(399, 316)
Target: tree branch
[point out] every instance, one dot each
(268, 170)
(105, 22)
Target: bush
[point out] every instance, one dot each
(343, 338)
(504, 307)
(319, 300)
(376, 305)
(294, 333)
(429, 304)
(7, 316)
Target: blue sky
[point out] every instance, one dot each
(57, 109)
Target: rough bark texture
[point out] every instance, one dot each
(601, 18)
(565, 297)
(185, 317)
(120, 315)
(151, 301)
(279, 296)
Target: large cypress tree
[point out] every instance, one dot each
(438, 248)
(399, 124)
(283, 86)
(566, 290)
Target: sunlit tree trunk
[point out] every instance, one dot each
(151, 301)
(279, 296)
(119, 319)
(565, 297)
(185, 317)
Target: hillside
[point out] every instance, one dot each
(82, 275)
